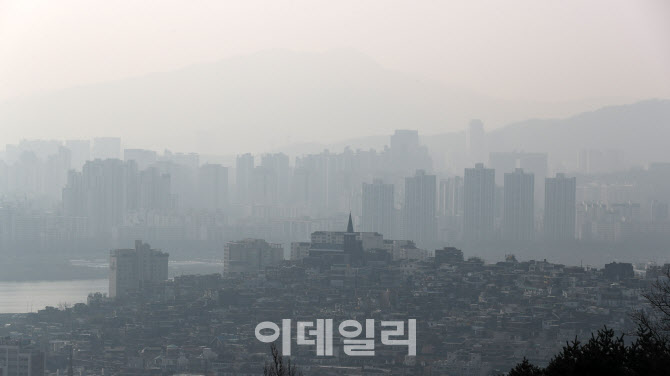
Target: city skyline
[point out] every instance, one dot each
(178, 200)
(319, 187)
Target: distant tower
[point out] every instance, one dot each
(450, 199)
(560, 208)
(244, 169)
(278, 164)
(478, 203)
(104, 185)
(154, 190)
(518, 220)
(213, 186)
(143, 158)
(377, 205)
(419, 221)
(404, 140)
(407, 154)
(263, 186)
(476, 141)
(536, 164)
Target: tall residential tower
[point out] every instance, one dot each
(419, 221)
(560, 208)
(479, 203)
(518, 217)
(377, 207)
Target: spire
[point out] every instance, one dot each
(350, 226)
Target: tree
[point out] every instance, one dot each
(525, 368)
(606, 354)
(277, 367)
(603, 354)
(649, 355)
(656, 320)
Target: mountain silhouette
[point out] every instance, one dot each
(263, 101)
(640, 130)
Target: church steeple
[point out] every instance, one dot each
(353, 247)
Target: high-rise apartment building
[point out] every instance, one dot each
(419, 221)
(377, 208)
(536, 164)
(213, 186)
(244, 169)
(132, 270)
(478, 203)
(154, 190)
(407, 154)
(250, 256)
(518, 217)
(143, 158)
(263, 186)
(101, 193)
(20, 357)
(450, 198)
(560, 208)
(278, 165)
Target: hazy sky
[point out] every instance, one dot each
(539, 50)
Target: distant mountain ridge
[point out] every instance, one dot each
(261, 102)
(641, 130)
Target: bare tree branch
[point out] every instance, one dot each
(277, 367)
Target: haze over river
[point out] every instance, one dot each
(20, 297)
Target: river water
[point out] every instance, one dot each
(31, 296)
(21, 297)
